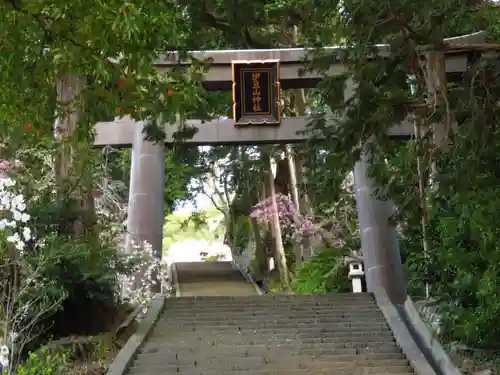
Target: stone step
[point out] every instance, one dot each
(208, 271)
(360, 341)
(259, 305)
(222, 346)
(359, 371)
(278, 298)
(325, 331)
(262, 323)
(310, 331)
(211, 276)
(270, 325)
(203, 266)
(344, 368)
(263, 319)
(336, 341)
(249, 364)
(253, 300)
(169, 349)
(225, 276)
(210, 320)
(271, 311)
(292, 298)
(262, 357)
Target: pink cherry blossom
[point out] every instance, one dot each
(289, 217)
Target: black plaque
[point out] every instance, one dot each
(256, 92)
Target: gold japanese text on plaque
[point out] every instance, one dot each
(256, 92)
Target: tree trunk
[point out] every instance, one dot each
(436, 87)
(281, 263)
(269, 232)
(262, 268)
(436, 82)
(298, 247)
(69, 89)
(303, 205)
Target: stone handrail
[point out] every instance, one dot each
(425, 354)
(249, 278)
(430, 344)
(126, 355)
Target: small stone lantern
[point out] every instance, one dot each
(356, 273)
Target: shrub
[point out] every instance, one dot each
(87, 278)
(325, 272)
(43, 362)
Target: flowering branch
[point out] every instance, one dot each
(145, 272)
(22, 304)
(302, 226)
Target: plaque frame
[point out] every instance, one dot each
(266, 110)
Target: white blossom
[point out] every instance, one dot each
(14, 221)
(14, 238)
(17, 215)
(4, 361)
(148, 271)
(9, 182)
(14, 227)
(27, 233)
(4, 356)
(5, 202)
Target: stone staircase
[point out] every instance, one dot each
(220, 324)
(272, 334)
(211, 279)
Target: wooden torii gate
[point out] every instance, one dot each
(379, 242)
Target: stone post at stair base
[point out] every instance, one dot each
(146, 194)
(379, 243)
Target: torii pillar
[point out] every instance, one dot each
(379, 241)
(146, 194)
(379, 237)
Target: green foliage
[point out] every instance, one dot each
(241, 233)
(464, 222)
(200, 225)
(180, 168)
(325, 272)
(81, 280)
(460, 264)
(57, 39)
(214, 258)
(77, 262)
(462, 209)
(44, 362)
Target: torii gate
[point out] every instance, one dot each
(379, 242)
